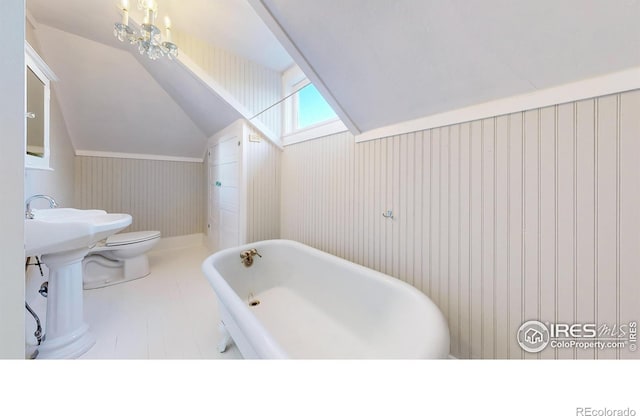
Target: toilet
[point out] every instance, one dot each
(119, 258)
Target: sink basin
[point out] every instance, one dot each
(58, 230)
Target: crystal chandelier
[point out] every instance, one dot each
(149, 40)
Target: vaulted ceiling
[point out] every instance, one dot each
(114, 100)
(380, 62)
(112, 104)
(377, 62)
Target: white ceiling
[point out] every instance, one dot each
(378, 62)
(114, 100)
(384, 62)
(229, 24)
(105, 112)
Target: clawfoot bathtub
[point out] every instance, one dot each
(293, 301)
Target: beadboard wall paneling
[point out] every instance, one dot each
(160, 195)
(262, 167)
(531, 215)
(253, 85)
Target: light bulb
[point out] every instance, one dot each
(125, 12)
(167, 24)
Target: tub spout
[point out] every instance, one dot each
(247, 256)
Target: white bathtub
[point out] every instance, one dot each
(315, 305)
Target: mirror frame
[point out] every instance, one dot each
(34, 62)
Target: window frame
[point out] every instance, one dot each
(293, 80)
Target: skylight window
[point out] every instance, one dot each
(305, 113)
(311, 108)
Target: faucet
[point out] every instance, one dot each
(29, 214)
(247, 256)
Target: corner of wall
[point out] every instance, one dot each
(12, 125)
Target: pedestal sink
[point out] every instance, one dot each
(62, 237)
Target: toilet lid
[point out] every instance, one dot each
(130, 238)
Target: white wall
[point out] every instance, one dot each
(263, 164)
(12, 133)
(253, 85)
(251, 201)
(164, 195)
(59, 182)
(531, 215)
(160, 195)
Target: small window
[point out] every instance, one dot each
(310, 107)
(305, 113)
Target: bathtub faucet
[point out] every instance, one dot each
(247, 256)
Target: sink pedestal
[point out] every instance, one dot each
(62, 236)
(67, 334)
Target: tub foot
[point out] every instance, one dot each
(226, 338)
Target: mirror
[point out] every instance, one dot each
(35, 115)
(37, 93)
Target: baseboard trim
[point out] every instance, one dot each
(181, 241)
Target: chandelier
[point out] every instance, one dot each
(149, 39)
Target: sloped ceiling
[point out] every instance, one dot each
(383, 62)
(115, 100)
(112, 104)
(229, 24)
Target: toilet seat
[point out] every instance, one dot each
(123, 239)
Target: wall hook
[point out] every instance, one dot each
(388, 214)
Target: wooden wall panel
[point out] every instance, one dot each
(263, 189)
(629, 220)
(159, 195)
(531, 215)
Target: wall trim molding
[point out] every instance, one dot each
(612, 83)
(321, 130)
(180, 241)
(117, 155)
(39, 62)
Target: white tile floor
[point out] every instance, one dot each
(170, 314)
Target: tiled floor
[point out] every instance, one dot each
(170, 314)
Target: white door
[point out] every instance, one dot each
(224, 194)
